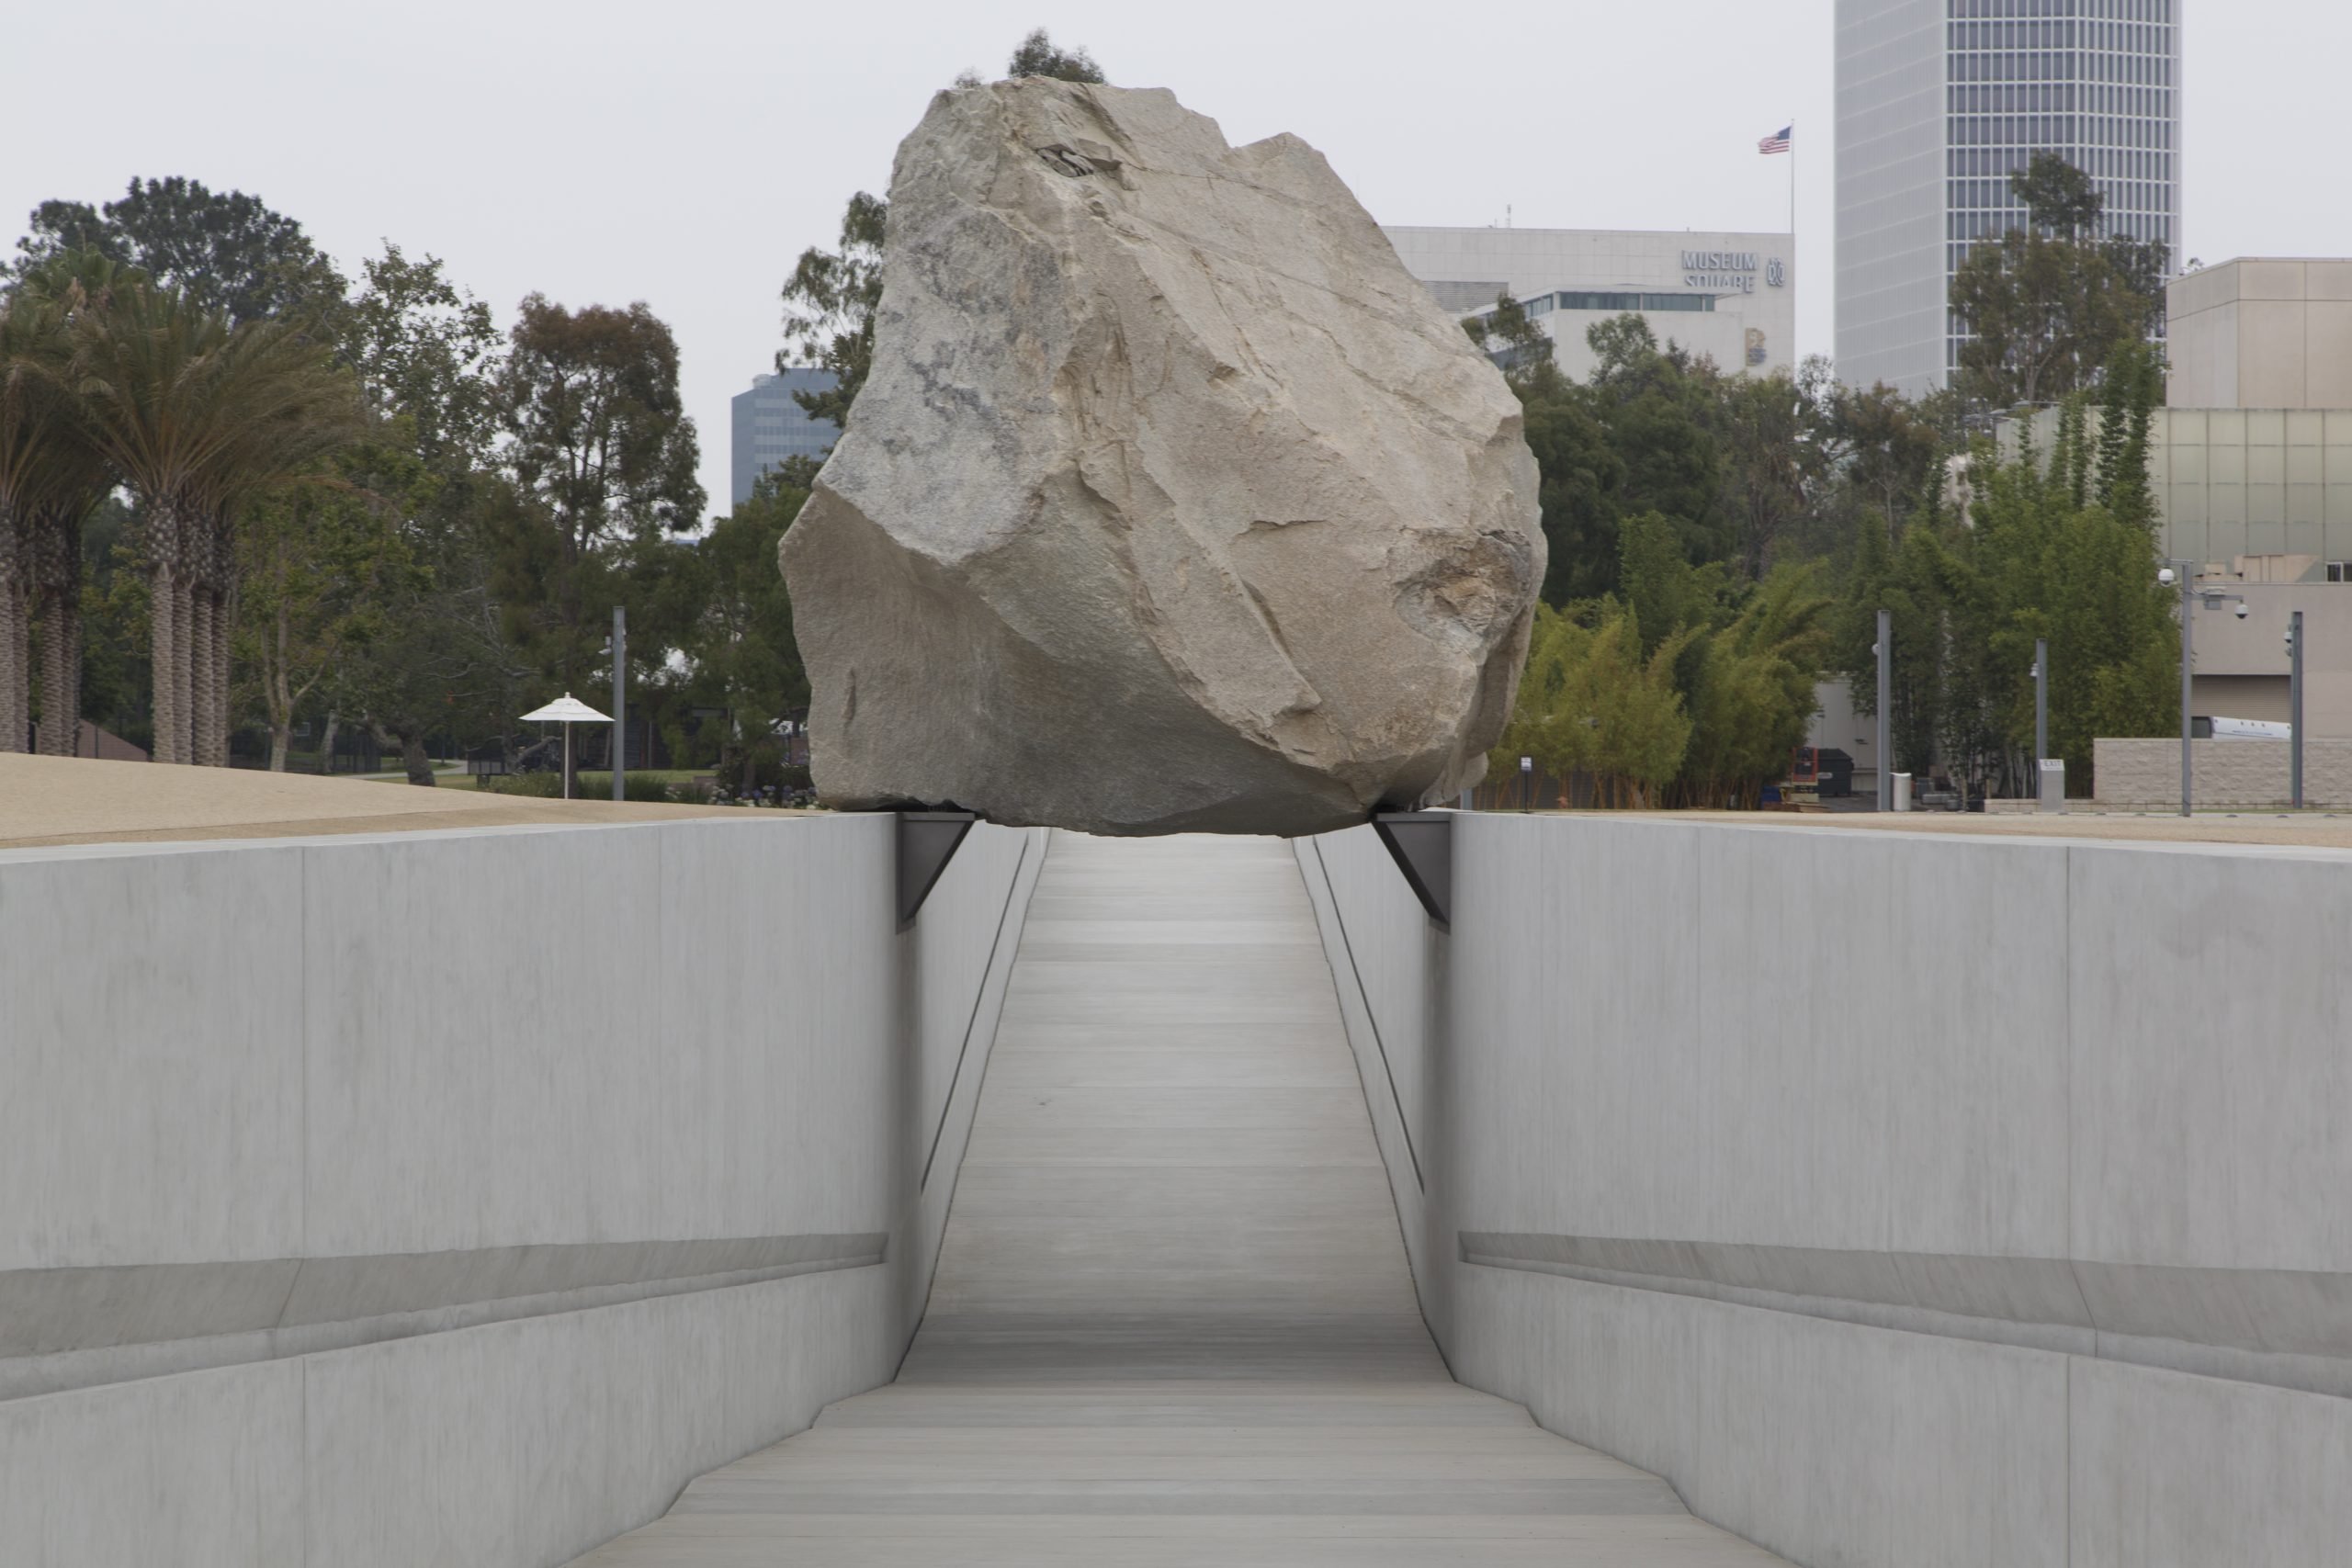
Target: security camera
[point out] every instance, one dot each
(2242, 610)
(2164, 578)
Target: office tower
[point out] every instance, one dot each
(1937, 102)
(771, 426)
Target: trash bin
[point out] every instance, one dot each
(1902, 792)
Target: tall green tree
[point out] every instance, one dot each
(225, 251)
(828, 305)
(740, 643)
(2045, 305)
(199, 418)
(601, 456)
(424, 653)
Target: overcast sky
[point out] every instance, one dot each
(684, 153)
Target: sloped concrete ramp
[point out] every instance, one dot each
(1173, 1321)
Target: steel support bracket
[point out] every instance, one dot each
(1421, 843)
(927, 842)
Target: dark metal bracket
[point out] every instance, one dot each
(1421, 843)
(927, 842)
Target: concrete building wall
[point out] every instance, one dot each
(1877, 1189)
(1889, 179)
(455, 1197)
(2261, 333)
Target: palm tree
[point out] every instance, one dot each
(295, 405)
(196, 417)
(50, 478)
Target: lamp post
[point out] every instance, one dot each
(2187, 659)
(2040, 705)
(620, 699)
(1883, 647)
(2185, 573)
(2295, 708)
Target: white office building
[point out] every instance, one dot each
(1728, 297)
(1936, 102)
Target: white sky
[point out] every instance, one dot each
(683, 154)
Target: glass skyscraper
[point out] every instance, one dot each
(1937, 102)
(771, 426)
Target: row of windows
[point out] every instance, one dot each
(2118, 37)
(2158, 11)
(2137, 226)
(2113, 183)
(2055, 130)
(1598, 300)
(2127, 211)
(2120, 75)
(2060, 97)
(1993, 196)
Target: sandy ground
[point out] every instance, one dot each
(80, 800)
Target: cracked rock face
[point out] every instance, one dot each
(1173, 502)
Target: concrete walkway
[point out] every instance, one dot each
(1173, 1321)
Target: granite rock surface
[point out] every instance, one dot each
(1173, 502)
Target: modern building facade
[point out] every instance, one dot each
(2261, 333)
(1937, 102)
(770, 426)
(1729, 297)
(2251, 466)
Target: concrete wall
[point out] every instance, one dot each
(1914, 1200)
(455, 1197)
(2145, 773)
(2261, 333)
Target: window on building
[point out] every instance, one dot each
(2339, 571)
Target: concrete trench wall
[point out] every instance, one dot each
(1910, 1201)
(457, 1197)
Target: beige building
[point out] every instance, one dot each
(1722, 296)
(2251, 463)
(2261, 333)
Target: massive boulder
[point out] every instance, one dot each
(1173, 502)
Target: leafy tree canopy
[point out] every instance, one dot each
(828, 305)
(1038, 57)
(224, 251)
(2046, 305)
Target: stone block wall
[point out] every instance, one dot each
(2144, 774)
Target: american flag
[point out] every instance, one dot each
(1777, 142)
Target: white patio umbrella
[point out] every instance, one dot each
(567, 710)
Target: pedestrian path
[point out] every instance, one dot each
(1173, 1321)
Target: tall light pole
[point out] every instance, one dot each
(2041, 705)
(2181, 571)
(2295, 708)
(2185, 572)
(1884, 649)
(620, 699)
